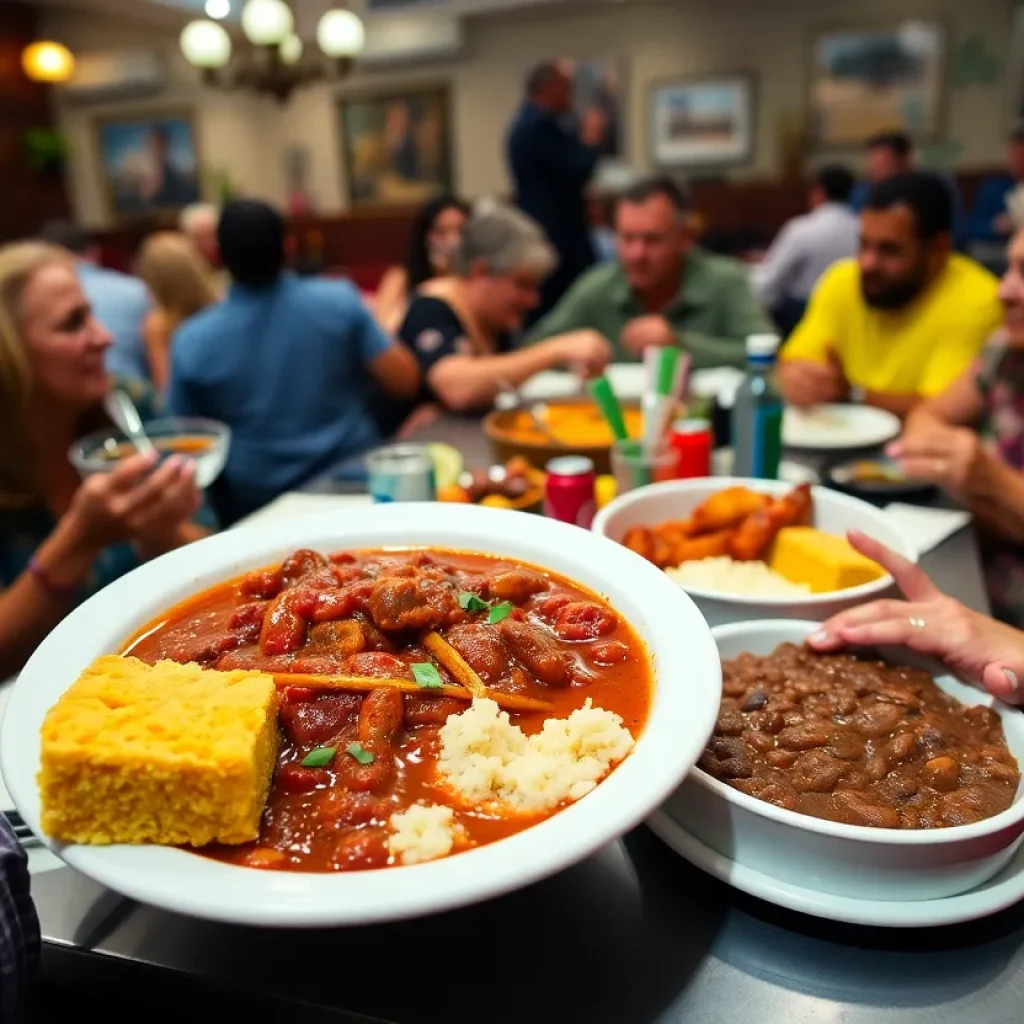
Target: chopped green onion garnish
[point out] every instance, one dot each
(319, 758)
(471, 602)
(426, 675)
(499, 612)
(360, 753)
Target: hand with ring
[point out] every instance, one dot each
(974, 646)
(951, 457)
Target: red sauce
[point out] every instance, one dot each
(366, 613)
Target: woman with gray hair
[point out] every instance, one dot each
(462, 328)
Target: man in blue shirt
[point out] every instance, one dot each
(888, 154)
(119, 301)
(551, 168)
(991, 220)
(288, 363)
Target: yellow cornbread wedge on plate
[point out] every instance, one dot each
(165, 753)
(823, 561)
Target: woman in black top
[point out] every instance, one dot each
(461, 328)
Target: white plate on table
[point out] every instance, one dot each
(791, 472)
(838, 427)
(627, 379)
(998, 893)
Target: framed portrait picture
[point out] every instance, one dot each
(870, 80)
(397, 147)
(598, 84)
(703, 122)
(149, 164)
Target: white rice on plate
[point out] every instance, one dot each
(747, 579)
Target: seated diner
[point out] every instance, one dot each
(63, 538)
(904, 319)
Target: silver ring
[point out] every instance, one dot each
(918, 623)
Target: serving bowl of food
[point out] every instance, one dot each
(324, 721)
(515, 485)
(873, 775)
(204, 441)
(549, 429)
(747, 549)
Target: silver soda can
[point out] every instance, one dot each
(401, 472)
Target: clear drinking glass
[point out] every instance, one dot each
(633, 467)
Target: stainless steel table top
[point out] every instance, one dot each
(634, 935)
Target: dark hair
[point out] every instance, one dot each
(927, 196)
(836, 182)
(897, 142)
(660, 185)
(539, 77)
(417, 265)
(67, 235)
(251, 238)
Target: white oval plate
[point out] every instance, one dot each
(1000, 892)
(838, 427)
(683, 710)
(627, 379)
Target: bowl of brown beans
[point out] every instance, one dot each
(868, 774)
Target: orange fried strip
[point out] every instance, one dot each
(727, 509)
(455, 663)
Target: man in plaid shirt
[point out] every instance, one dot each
(19, 929)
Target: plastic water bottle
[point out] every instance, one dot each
(757, 413)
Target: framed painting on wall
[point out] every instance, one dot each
(703, 122)
(870, 80)
(397, 147)
(598, 84)
(148, 163)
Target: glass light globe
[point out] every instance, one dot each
(291, 50)
(267, 22)
(48, 62)
(205, 44)
(218, 8)
(340, 33)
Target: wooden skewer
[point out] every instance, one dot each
(455, 663)
(364, 684)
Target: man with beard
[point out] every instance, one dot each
(904, 319)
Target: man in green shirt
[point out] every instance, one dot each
(663, 289)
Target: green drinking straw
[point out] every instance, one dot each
(668, 362)
(601, 389)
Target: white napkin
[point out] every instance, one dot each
(926, 528)
(297, 504)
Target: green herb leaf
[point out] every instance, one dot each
(360, 753)
(319, 758)
(471, 603)
(499, 612)
(426, 675)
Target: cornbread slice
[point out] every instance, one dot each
(164, 753)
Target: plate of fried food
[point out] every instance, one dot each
(743, 548)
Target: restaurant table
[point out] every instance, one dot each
(633, 935)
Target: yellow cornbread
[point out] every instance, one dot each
(164, 753)
(823, 561)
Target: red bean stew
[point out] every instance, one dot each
(527, 632)
(857, 741)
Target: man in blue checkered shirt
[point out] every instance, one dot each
(19, 929)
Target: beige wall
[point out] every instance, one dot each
(248, 136)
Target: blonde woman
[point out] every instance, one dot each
(61, 538)
(178, 280)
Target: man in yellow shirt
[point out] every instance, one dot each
(902, 321)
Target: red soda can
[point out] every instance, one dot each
(569, 491)
(693, 440)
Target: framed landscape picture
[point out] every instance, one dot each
(870, 80)
(703, 122)
(397, 147)
(149, 164)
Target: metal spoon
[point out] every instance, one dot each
(509, 399)
(121, 409)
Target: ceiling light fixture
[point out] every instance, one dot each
(275, 62)
(47, 61)
(218, 8)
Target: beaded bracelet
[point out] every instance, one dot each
(47, 582)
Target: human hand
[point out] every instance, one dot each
(593, 126)
(586, 352)
(648, 332)
(805, 383)
(930, 623)
(137, 500)
(952, 457)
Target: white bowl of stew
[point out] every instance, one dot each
(673, 671)
(205, 442)
(833, 513)
(789, 839)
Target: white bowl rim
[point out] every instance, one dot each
(203, 887)
(837, 829)
(852, 595)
